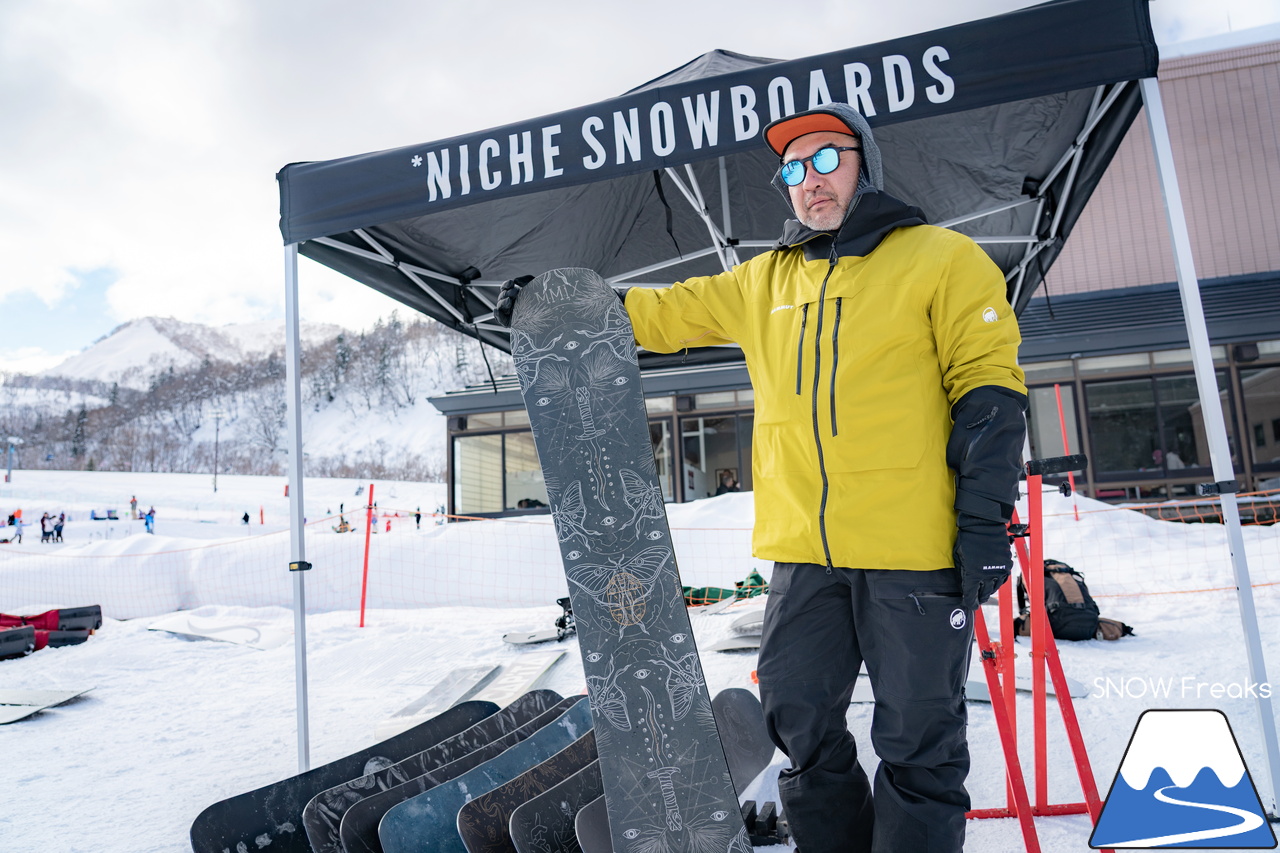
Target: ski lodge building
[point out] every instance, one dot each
(1104, 336)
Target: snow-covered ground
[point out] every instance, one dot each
(172, 725)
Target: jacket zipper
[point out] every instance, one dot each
(835, 362)
(817, 432)
(817, 379)
(804, 319)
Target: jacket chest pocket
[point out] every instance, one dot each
(870, 397)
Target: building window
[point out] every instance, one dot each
(1046, 428)
(1047, 371)
(1103, 364)
(1261, 388)
(496, 472)
(477, 471)
(1148, 427)
(1122, 425)
(715, 454)
(660, 438)
(522, 475)
(484, 420)
(659, 404)
(1183, 439)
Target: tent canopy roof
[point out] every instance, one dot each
(999, 128)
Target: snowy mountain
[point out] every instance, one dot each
(164, 395)
(134, 352)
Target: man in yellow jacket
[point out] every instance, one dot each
(888, 428)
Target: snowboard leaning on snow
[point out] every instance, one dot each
(666, 781)
(359, 832)
(484, 823)
(272, 815)
(428, 822)
(322, 817)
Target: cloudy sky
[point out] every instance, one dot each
(139, 139)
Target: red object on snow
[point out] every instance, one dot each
(66, 619)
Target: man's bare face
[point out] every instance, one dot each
(820, 201)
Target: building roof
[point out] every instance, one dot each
(1237, 309)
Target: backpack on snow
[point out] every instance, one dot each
(1071, 610)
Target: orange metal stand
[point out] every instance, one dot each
(998, 664)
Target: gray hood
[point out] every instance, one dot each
(871, 173)
(872, 165)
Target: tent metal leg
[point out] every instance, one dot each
(1215, 424)
(730, 251)
(297, 541)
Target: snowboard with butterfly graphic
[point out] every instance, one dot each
(666, 780)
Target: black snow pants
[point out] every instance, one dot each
(820, 626)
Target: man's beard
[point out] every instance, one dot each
(829, 218)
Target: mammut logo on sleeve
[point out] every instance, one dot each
(989, 315)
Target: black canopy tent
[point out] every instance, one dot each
(999, 128)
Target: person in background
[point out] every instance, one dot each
(150, 520)
(58, 525)
(245, 519)
(133, 507)
(889, 428)
(727, 484)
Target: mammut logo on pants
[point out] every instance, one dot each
(957, 619)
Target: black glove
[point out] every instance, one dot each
(984, 449)
(983, 558)
(507, 298)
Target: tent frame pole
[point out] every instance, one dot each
(734, 260)
(297, 536)
(1070, 160)
(1214, 422)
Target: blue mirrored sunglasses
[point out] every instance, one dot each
(825, 161)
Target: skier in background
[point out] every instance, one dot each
(150, 520)
(58, 525)
(889, 425)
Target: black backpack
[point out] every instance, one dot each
(1072, 612)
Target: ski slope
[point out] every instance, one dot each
(172, 723)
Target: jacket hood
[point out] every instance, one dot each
(872, 165)
(871, 216)
(871, 171)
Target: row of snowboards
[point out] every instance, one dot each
(68, 626)
(474, 778)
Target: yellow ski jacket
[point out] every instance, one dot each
(856, 360)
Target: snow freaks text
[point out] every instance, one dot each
(1185, 687)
